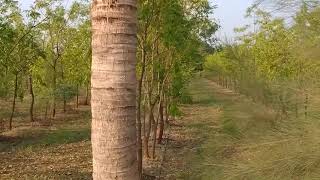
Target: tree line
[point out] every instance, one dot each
(45, 55)
(277, 66)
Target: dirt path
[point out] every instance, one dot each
(204, 142)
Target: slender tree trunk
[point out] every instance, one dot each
(144, 116)
(32, 98)
(161, 123)
(150, 104)
(46, 112)
(64, 105)
(155, 127)
(113, 93)
(148, 132)
(138, 118)
(306, 102)
(226, 82)
(222, 81)
(77, 103)
(14, 100)
(167, 106)
(54, 91)
(1, 125)
(87, 94)
(297, 106)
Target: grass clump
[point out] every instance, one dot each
(292, 153)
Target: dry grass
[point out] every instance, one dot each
(59, 151)
(227, 136)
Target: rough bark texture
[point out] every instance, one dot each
(113, 90)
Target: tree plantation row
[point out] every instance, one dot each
(45, 57)
(277, 66)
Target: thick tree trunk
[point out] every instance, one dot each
(14, 101)
(32, 98)
(113, 93)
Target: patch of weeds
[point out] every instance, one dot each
(186, 98)
(63, 136)
(229, 127)
(45, 138)
(174, 110)
(205, 101)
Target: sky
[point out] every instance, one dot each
(25, 3)
(229, 13)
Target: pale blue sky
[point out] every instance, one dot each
(230, 14)
(25, 3)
